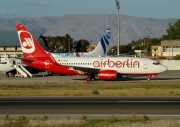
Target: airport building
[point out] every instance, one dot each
(167, 48)
(10, 45)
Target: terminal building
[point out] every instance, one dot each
(167, 48)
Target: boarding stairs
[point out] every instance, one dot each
(21, 71)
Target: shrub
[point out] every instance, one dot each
(95, 92)
(145, 118)
(171, 92)
(112, 119)
(177, 57)
(45, 118)
(84, 117)
(161, 57)
(134, 117)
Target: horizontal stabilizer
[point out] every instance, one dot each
(28, 60)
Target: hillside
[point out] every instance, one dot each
(91, 27)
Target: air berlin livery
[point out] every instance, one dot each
(105, 68)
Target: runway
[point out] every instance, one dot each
(42, 77)
(159, 106)
(124, 107)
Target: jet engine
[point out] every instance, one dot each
(107, 75)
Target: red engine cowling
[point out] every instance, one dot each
(107, 75)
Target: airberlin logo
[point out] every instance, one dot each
(129, 63)
(27, 42)
(107, 75)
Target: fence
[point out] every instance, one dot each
(171, 64)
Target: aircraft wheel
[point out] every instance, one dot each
(149, 79)
(93, 78)
(88, 79)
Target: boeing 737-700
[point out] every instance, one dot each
(105, 68)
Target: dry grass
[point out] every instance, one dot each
(136, 88)
(130, 92)
(57, 123)
(44, 123)
(86, 123)
(154, 123)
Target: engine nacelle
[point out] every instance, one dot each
(107, 75)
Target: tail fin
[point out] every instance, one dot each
(102, 47)
(30, 47)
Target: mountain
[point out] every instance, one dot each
(92, 26)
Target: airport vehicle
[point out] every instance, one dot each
(7, 64)
(105, 68)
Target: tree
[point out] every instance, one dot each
(82, 45)
(174, 30)
(112, 51)
(177, 57)
(59, 43)
(125, 49)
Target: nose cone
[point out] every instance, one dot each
(164, 68)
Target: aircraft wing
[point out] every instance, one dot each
(85, 69)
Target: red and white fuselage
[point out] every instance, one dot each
(106, 68)
(122, 65)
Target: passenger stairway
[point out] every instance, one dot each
(21, 71)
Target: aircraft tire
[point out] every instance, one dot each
(93, 78)
(88, 79)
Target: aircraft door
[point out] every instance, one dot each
(145, 65)
(47, 64)
(11, 62)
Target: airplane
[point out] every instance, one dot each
(7, 67)
(105, 68)
(101, 49)
(4, 62)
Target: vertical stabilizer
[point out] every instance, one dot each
(102, 47)
(29, 45)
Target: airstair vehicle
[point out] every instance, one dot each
(20, 70)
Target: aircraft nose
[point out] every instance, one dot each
(164, 68)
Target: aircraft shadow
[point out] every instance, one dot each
(134, 79)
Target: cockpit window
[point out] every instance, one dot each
(156, 63)
(3, 62)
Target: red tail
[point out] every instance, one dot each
(30, 47)
(35, 56)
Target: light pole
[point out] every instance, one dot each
(118, 43)
(69, 46)
(82, 46)
(145, 47)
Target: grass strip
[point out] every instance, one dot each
(152, 88)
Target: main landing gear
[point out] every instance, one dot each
(90, 78)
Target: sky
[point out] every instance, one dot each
(138, 8)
